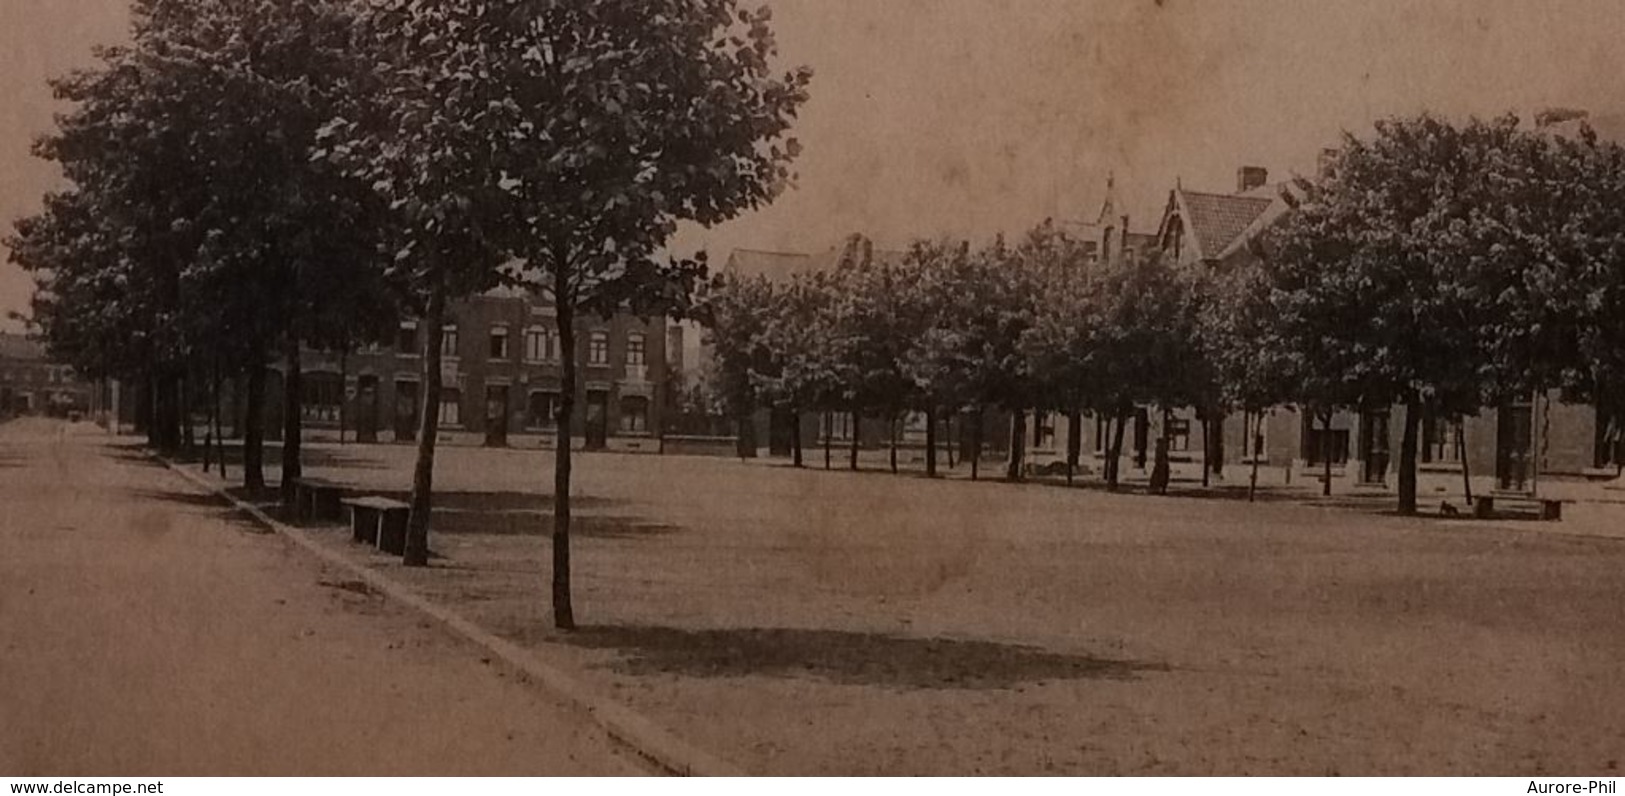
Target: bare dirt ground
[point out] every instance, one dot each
(809, 622)
(145, 630)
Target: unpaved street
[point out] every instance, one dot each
(145, 630)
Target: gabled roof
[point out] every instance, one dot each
(1283, 198)
(1217, 220)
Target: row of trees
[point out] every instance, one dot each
(253, 178)
(945, 330)
(1436, 266)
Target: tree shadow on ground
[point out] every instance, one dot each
(308, 457)
(536, 523)
(135, 455)
(221, 509)
(845, 658)
(500, 501)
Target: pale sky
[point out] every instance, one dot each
(968, 117)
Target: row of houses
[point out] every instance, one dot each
(1517, 444)
(30, 383)
(501, 380)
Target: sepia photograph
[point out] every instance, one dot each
(504, 389)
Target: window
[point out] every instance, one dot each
(323, 396)
(1179, 434)
(598, 349)
(451, 406)
(499, 342)
(448, 340)
(406, 339)
(1043, 430)
(634, 349)
(1609, 444)
(1439, 439)
(1257, 433)
(635, 414)
(539, 412)
(541, 345)
(1319, 444)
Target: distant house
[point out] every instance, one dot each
(30, 383)
(1513, 443)
(501, 377)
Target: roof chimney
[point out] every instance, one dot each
(1250, 177)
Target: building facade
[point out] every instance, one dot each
(502, 380)
(1512, 447)
(31, 384)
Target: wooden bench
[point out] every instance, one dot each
(380, 522)
(1548, 509)
(317, 499)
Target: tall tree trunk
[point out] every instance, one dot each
(166, 411)
(1253, 434)
(214, 418)
(976, 445)
(174, 389)
(1074, 443)
(1114, 460)
(1407, 456)
(1018, 444)
(1207, 449)
(891, 428)
(829, 437)
(564, 617)
(949, 423)
(795, 438)
(292, 418)
(417, 526)
(1161, 467)
(184, 408)
(930, 441)
(857, 422)
(344, 390)
(254, 425)
(149, 412)
(1466, 470)
(1326, 453)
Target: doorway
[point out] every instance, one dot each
(1514, 444)
(1374, 451)
(406, 411)
(597, 419)
(366, 409)
(496, 416)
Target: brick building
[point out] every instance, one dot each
(30, 383)
(502, 380)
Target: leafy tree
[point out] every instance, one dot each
(800, 374)
(573, 136)
(191, 149)
(735, 312)
(1058, 345)
(873, 322)
(935, 361)
(1370, 281)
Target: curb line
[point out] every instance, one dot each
(654, 744)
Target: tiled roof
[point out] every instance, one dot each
(1217, 219)
(16, 346)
